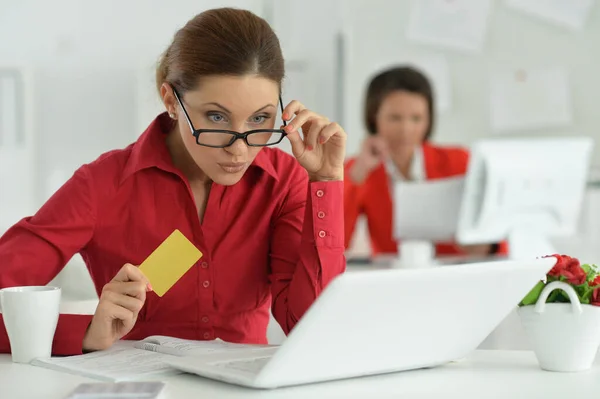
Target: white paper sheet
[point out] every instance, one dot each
(530, 99)
(458, 24)
(570, 14)
(427, 210)
(143, 359)
(434, 66)
(120, 363)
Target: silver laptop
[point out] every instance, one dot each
(383, 321)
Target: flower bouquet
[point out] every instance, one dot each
(561, 316)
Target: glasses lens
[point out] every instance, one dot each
(215, 139)
(264, 138)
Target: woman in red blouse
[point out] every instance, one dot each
(399, 116)
(269, 225)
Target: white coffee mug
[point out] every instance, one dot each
(416, 254)
(30, 316)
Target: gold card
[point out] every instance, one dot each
(169, 262)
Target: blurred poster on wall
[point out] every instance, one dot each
(571, 14)
(454, 24)
(533, 98)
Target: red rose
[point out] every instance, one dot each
(559, 266)
(569, 268)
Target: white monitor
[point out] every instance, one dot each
(524, 190)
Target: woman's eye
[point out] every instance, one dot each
(258, 119)
(216, 118)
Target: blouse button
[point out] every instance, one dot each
(206, 284)
(322, 234)
(320, 193)
(321, 215)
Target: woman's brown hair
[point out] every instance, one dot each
(222, 41)
(403, 78)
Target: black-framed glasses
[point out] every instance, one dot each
(216, 138)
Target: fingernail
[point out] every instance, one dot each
(285, 116)
(289, 128)
(149, 287)
(321, 140)
(309, 148)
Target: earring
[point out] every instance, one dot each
(173, 116)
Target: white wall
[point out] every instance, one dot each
(86, 57)
(376, 31)
(93, 65)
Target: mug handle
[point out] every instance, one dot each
(558, 285)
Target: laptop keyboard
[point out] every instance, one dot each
(253, 365)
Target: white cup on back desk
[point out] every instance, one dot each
(415, 254)
(30, 316)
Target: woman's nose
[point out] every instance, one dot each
(239, 147)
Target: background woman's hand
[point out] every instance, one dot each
(477, 249)
(118, 309)
(322, 151)
(373, 152)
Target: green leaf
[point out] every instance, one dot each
(584, 292)
(591, 272)
(557, 295)
(533, 295)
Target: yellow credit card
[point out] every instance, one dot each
(169, 262)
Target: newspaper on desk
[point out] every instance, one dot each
(427, 210)
(141, 360)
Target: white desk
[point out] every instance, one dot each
(485, 374)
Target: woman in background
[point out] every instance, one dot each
(399, 115)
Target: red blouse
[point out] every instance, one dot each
(272, 241)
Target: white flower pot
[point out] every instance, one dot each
(564, 336)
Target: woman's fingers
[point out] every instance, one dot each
(297, 144)
(293, 108)
(129, 297)
(330, 130)
(136, 289)
(300, 120)
(377, 147)
(130, 272)
(111, 311)
(315, 135)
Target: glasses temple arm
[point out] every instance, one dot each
(281, 106)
